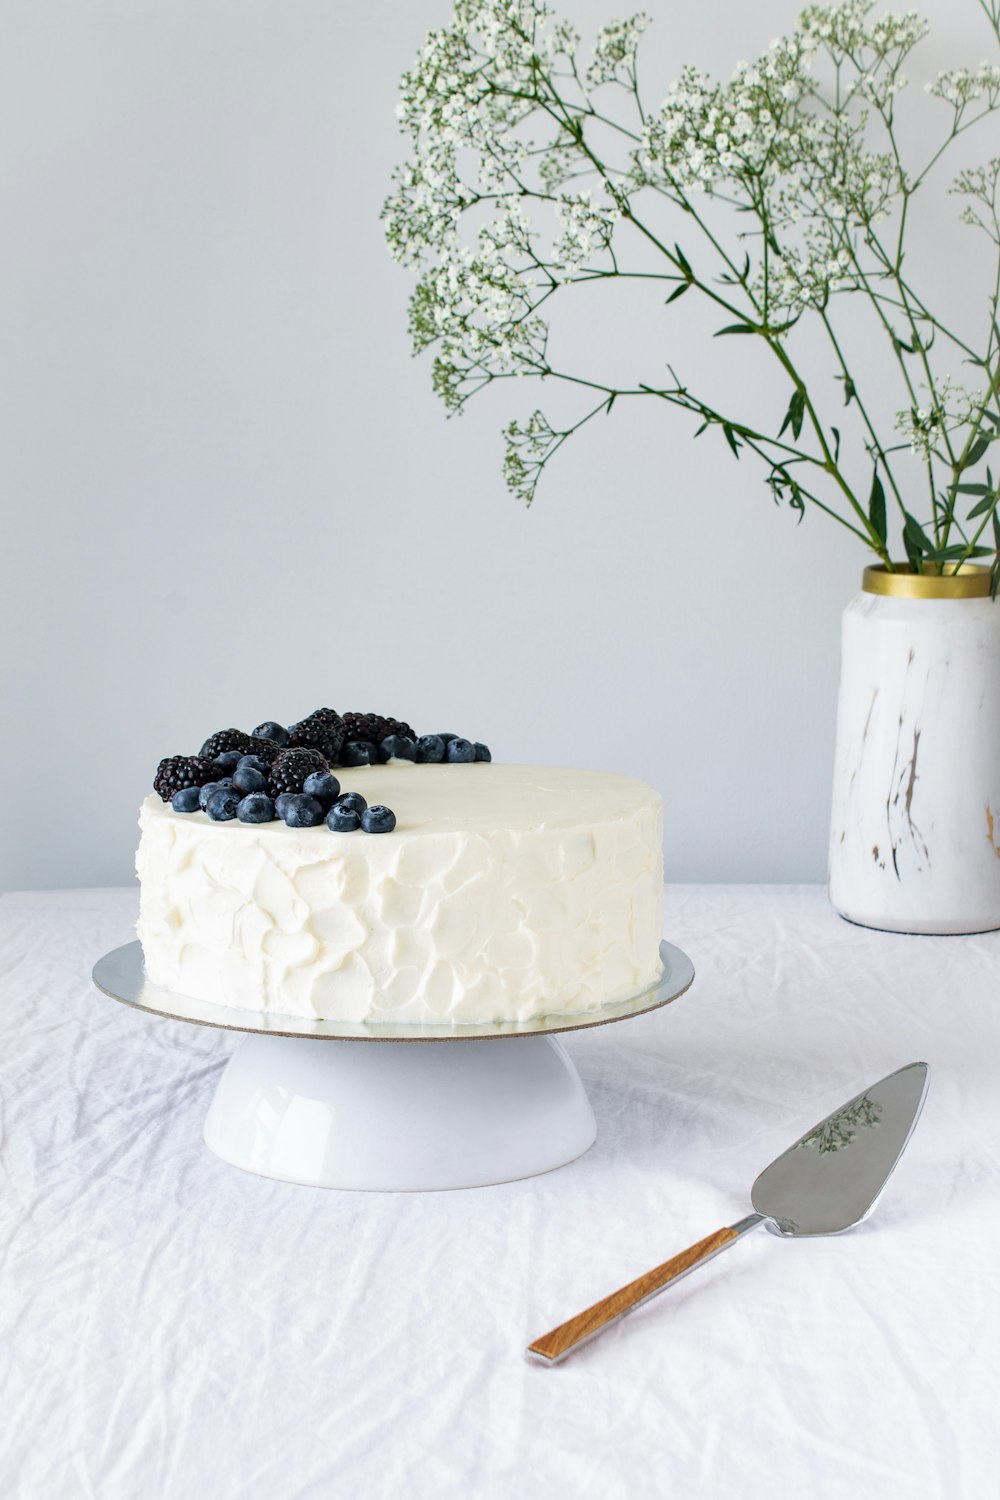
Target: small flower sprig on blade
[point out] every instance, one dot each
(536, 165)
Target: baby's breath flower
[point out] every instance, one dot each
(520, 181)
(614, 51)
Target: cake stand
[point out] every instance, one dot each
(467, 1107)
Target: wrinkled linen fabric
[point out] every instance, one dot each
(172, 1327)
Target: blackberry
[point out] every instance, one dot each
(322, 730)
(178, 771)
(226, 741)
(289, 771)
(374, 727)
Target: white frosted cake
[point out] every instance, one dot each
(503, 893)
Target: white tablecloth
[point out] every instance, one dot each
(171, 1327)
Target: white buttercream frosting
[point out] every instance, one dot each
(504, 893)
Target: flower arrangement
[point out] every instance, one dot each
(781, 198)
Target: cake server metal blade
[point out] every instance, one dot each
(833, 1176)
(828, 1181)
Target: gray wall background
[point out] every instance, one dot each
(231, 495)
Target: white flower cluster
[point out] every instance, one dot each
(584, 230)
(981, 184)
(614, 51)
(708, 135)
(952, 407)
(465, 105)
(962, 86)
(845, 29)
(478, 308)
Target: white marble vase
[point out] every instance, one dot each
(915, 830)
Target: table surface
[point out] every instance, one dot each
(170, 1326)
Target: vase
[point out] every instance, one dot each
(915, 829)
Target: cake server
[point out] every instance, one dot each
(827, 1182)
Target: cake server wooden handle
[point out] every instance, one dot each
(555, 1346)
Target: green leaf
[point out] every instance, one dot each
(973, 489)
(836, 444)
(982, 506)
(701, 429)
(735, 328)
(849, 389)
(916, 542)
(678, 292)
(793, 416)
(683, 262)
(976, 452)
(731, 438)
(960, 549)
(876, 508)
(611, 401)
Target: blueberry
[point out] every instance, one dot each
(482, 751)
(222, 804)
(352, 799)
(251, 763)
(256, 808)
(186, 800)
(343, 819)
(302, 811)
(227, 761)
(281, 802)
(446, 737)
(429, 749)
(206, 792)
(247, 780)
(460, 751)
(378, 819)
(271, 731)
(358, 753)
(397, 747)
(324, 787)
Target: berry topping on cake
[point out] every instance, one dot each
(222, 804)
(187, 800)
(179, 771)
(290, 770)
(429, 749)
(324, 787)
(353, 799)
(378, 819)
(256, 807)
(359, 753)
(460, 752)
(343, 819)
(303, 812)
(374, 727)
(397, 747)
(225, 740)
(322, 730)
(226, 763)
(247, 780)
(276, 733)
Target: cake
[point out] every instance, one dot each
(492, 893)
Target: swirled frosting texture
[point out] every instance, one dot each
(504, 893)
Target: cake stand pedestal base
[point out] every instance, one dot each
(399, 1118)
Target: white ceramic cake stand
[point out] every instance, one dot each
(391, 1117)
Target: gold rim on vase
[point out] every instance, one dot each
(969, 581)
